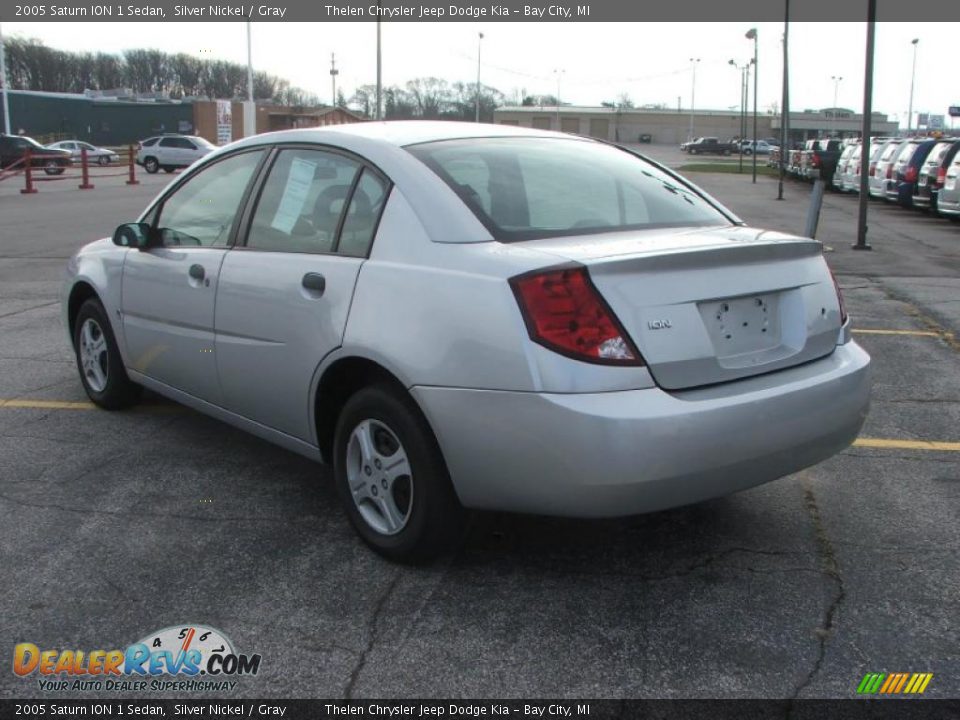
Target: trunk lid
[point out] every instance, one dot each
(714, 305)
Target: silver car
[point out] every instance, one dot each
(467, 316)
(101, 156)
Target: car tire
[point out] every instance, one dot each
(101, 368)
(103, 160)
(52, 167)
(748, 152)
(151, 165)
(167, 169)
(409, 517)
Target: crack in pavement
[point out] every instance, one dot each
(831, 569)
(372, 639)
(28, 309)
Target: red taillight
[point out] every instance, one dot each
(941, 176)
(911, 174)
(815, 161)
(843, 305)
(890, 172)
(873, 169)
(565, 313)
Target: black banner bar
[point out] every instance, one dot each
(853, 709)
(470, 11)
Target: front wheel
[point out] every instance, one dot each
(151, 165)
(98, 360)
(52, 167)
(392, 479)
(103, 160)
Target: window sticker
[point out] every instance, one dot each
(294, 196)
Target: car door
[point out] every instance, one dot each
(284, 294)
(171, 152)
(169, 289)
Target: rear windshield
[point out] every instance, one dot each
(202, 142)
(939, 150)
(528, 188)
(890, 149)
(906, 152)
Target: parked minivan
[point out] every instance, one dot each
(906, 170)
(933, 172)
(948, 199)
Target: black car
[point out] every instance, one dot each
(14, 147)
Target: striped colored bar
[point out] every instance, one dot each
(894, 683)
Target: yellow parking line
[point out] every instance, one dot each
(918, 333)
(47, 404)
(907, 444)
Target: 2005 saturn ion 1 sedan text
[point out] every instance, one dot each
(473, 316)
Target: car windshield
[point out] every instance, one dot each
(202, 142)
(529, 188)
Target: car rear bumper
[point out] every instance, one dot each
(947, 207)
(622, 453)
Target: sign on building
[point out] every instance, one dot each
(224, 122)
(954, 111)
(936, 122)
(923, 119)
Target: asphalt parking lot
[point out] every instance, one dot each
(118, 524)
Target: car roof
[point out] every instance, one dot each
(408, 132)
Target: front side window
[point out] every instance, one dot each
(202, 211)
(302, 201)
(527, 188)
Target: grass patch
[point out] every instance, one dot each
(730, 168)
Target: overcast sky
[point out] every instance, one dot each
(648, 61)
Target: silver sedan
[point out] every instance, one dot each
(100, 156)
(461, 316)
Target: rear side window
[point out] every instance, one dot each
(149, 143)
(363, 213)
(302, 202)
(936, 155)
(528, 188)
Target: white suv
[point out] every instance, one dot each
(169, 152)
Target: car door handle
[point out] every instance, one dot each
(196, 272)
(315, 283)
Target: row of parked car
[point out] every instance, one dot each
(713, 146)
(918, 172)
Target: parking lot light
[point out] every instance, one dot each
(751, 34)
(693, 93)
(913, 77)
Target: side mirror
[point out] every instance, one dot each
(132, 235)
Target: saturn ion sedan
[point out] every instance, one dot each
(460, 316)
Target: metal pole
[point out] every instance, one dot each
(558, 73)
(756, 76)
(784, 101)
(249, 65)
(693, 95)
(836, 86)
(333, 79)
(913, 76)
(479, 45)
(379, 113)
(862, 243)
(3, 84)
(744, 91)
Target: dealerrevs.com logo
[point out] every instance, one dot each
(180, 658)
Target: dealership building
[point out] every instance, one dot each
(670, 127)
(120, 117)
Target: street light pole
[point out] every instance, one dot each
(862, 243)
(693, 95)
(333, 79)
(744, 69)
(913, 77)
(558, 73)
(836, 87)
(3, 84)
(379, 113)
(752, 35)
(479, 44)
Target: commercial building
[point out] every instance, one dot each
(672, 127)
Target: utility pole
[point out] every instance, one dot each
(3, 84)
(333, 79)
(249, 65)
(785, 101)
(479, 43)
(862, 243)
(559, 74)
(836, 86)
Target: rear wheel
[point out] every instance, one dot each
(98, 360)
(392, 479)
